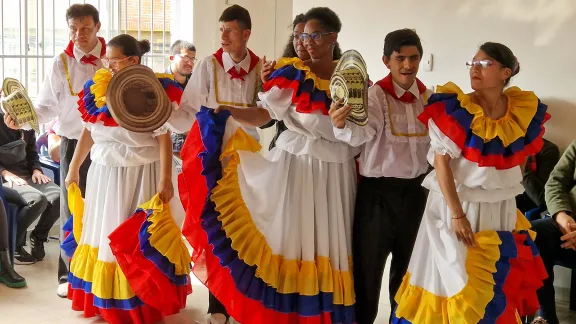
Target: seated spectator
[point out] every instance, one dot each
(8, 276)
(536, 173)
(21, 170)
(556, 236)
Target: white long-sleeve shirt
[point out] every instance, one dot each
(58, 95)
(394, 142)
(212, 86)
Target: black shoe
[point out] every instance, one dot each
(23, 257)
(37, 248)
(7, 274)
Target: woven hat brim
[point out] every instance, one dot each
(133, 122)
(19, 106)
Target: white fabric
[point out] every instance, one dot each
(394, 142)
(303, 203)
(124, 173)
(176, 207)
(487, 197)
(307, 134)
(213, 90)
(54, 98)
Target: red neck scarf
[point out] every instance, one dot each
(388, 87)
(87, 59)
(233, 73)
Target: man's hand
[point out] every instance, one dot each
(13, 180)
(39, 177)
(567, 226)
(10, 122)
(339, 113)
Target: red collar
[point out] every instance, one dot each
(388, 87)
(70, 48)
(254, 59)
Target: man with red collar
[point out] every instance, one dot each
(58, 98)
(390, 200)
(229, 77)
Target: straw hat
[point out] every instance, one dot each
(137, 100)
(350, 83)
(18, 105)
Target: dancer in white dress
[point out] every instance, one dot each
(128, 169)
(273, 242)
(474, 260)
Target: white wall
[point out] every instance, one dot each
(539, 32)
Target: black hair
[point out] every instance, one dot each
(83, 10)
(238, 13)
(290, 51)
(503, 55)
(327, 18)
(179, 45)
(130, 46)
(394, 41)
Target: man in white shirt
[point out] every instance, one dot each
(229, 77)
(58, 98)
(390, 199)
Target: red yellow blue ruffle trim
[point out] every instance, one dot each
(310, 93)
(92, 98)
(503, 143)
(151, 278)
(504, 272)
(231, 256)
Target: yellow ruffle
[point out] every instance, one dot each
(98, 89)
(76, 206)
(108, 280)
(420, 306)
(320, 84)
(522, 106)
(164, 76)
(423, 307)
(165, 235)
(307, 278)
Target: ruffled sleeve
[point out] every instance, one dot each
(440, 143)
(277, 101)
(92, 100)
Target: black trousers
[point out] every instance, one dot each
(548, 243)
(67, 147)
(387, 216)
(3, 228)
(215, 306)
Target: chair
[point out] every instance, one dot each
(48, 166)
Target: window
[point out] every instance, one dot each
(34, 31)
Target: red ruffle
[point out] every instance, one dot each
(107, 120)
(526, 276)
(146, 280)
(302, 100)
(84, 302)
(452, 129)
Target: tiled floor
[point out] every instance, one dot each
(39, 304)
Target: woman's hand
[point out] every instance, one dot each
(39, 177)
(9, 121)
(339, 113)
(73, 176)
(12, 179)
(461, 226)
(267, 69)
(166, 190)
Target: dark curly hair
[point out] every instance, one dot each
(290, 51)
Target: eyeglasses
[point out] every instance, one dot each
(108, 63)
(483, 63)
(315, 36)
(187, 59)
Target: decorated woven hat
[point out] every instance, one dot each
(137, 100)
(10, 85)
(350, 83)
(18, 105)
